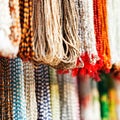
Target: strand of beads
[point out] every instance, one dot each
(42, 81)
(55, 103)
(29, 82)
(87, 39)
(26, 15)
(15, 35)
(101, 32)
(5, 90)
(17, 84)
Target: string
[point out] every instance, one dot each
(55, 38)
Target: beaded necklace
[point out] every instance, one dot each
(15, 35)
(65, 107)
(74, 97)
(104, 100)
(69, 104)
(101, 32)
(55, 103)
(113, 11)
(26, 15)
(17, 82)
(7, 48)
(117, 88)
(29, 82)
(86, 29)
(112, 97)
(96, 102)
(89, 55)
(42, 81)
(85, 98)
(5, 90)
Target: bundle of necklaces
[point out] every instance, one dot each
(52, 52)
(67, 35)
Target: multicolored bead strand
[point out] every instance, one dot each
(17, 82)
(29, 82)
(42, 80)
